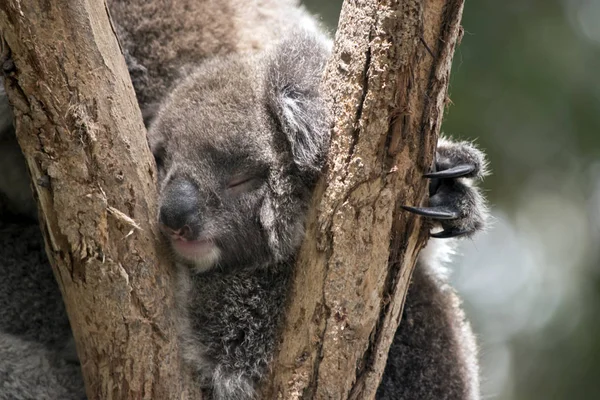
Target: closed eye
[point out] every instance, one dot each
(244, 184)
(239, 181)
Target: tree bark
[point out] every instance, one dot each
(82, 135)
(386, 85)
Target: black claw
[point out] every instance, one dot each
(450, 234)
(433, 212)
(454, 172)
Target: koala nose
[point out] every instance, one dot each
(179, 206)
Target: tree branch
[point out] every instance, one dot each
(386, 85)
(82, 134)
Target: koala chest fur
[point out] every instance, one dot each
(228, 329)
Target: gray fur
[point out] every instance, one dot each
(163, 39)
(243, 132)
(28, 290)
(34, 329)
(31, 371)
(15, 194)
(461, 194)
(6, 119)
(241, 116)
(159, 53)
(259, 118)
(434, 352)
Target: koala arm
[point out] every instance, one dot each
(434, 354)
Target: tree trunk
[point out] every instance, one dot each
(386, 85)
(82, 135)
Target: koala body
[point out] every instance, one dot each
(37, 358)
(164, 40)
(239, 132)
(239, 145)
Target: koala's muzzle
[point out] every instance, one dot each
(179, 208)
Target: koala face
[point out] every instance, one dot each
(238, 146)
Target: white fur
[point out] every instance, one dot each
(232, 386)
(435, 257)
(207, 261)
(470, 353)
(305, 145)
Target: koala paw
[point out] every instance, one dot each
(455, 204)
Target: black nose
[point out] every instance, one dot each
(180, 204)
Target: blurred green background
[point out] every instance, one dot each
(526, 86)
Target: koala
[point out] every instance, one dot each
(164, 40)
(29, 370)
(37, 355)
(434, 351)
(239, 145)
(239, 132)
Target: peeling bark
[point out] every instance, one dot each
(82, 135)
(386, 84)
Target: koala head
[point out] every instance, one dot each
(238, 145)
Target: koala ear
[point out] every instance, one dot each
(294, 70)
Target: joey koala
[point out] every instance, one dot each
(239, 141)
(239, 144)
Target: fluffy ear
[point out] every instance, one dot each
(294, 69)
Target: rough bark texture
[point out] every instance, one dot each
(82, 134)
(387, 84)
